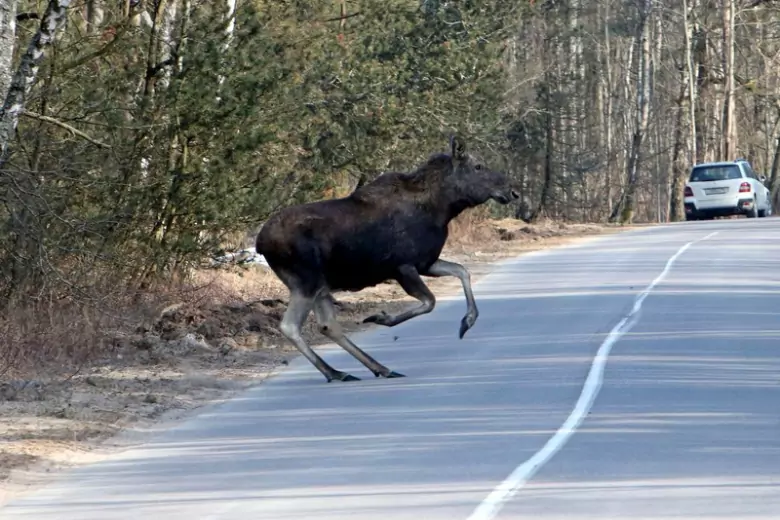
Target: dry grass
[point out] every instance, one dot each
(75, 376)
(473, 228)
(46, 333)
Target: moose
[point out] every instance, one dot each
(391, 228)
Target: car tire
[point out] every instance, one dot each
(753, 213)
(763, 213)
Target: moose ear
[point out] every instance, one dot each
(457, 148)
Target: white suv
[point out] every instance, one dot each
(726, 188)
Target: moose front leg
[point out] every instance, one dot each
(445, 268)
(410, 281)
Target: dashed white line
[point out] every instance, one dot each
(490, 507)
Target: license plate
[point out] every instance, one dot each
(715, 191)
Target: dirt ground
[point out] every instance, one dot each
(200, 353)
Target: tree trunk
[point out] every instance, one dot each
(676, 187)
(230, 18)
(661, 173)
(773, 184)
(572, 79)
(25, 76)
(691, 77)
(94, 16)
(699, 49)
(167, 45)
(7, 39)
(625, 210)
(728, 137)
(548, 157)
(606, 113)
(628, 87)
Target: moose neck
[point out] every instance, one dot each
(453, 204)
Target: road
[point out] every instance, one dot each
(639, 373)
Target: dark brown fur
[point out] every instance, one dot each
(393, 228)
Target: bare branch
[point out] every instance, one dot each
(119, 32)
(344, 17)
(66, 126)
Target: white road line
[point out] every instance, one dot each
(490, 507)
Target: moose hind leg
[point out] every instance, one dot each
(414, 286)
(330, 327)
(445, 268)
(294, 317)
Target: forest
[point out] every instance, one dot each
(138, 137)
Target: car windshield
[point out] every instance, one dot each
(715, 173)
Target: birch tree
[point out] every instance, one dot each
(728, 135)
(684, 148)
(7, 44)
(27, 72)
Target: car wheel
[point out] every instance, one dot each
(753, 213)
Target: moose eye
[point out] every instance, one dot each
(478, 167)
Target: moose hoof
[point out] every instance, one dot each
(380, 319)
(343, 376)
(464, 327)
(388, 374)
(466, 323)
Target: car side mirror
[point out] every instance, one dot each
(762, 178)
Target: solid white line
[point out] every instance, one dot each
(489, 507)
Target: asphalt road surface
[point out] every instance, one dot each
(631, 376)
